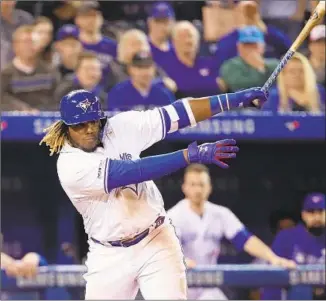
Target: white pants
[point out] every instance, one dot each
(206, 294)
(155, 266)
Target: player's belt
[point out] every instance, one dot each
(133, 240)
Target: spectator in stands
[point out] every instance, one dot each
(68, 48)
(141, 91)
(10, 20)
(131, 42)
(247, 14)
(160, 23)
(87, 76)
(287, 15)
(304, 243)
(89, 21)
(194, 75)
(317, 49)
(25, 267)
(250, 68)
(297, 89)
(28, 82)
(43, 30)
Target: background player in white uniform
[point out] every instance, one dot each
(131, 243)
(200, 226)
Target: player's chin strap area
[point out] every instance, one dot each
(135, 239)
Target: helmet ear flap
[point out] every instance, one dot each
(103, 122)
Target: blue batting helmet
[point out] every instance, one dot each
(80, 106)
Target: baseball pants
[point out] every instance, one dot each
(155, 266)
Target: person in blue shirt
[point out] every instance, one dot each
(194, 75)
(297, 89)
(304, 243)
(160, 22)
(89, 21)
(277, 42)
(140, 91)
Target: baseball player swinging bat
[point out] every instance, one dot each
(315, 18)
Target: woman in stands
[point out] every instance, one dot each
(43, 33)
(297, 89)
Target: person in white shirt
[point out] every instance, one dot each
(200, 226)
(132, 245)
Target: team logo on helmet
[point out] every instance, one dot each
(84, 105)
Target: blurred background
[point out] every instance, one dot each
(142, 54)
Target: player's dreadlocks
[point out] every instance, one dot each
(55, 137)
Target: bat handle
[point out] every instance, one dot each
(277, 71)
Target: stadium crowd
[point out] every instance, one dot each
(163, 59)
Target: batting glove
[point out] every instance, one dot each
(249, 95)
(213, 153)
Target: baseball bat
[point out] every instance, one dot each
(314, 19)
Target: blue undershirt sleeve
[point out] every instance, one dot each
(126, 172)
(240, 239)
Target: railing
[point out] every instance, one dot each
(298, 282)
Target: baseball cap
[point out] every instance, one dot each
(251, 34)
(314, 201)
(86, 6)
(318, 33)
(162, 10)
(142, 59)
(67, 31)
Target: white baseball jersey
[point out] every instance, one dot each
(201, 236)
(122, 212)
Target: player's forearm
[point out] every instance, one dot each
(255, 247)
(122, 173)
(206, 107)
(119, 173)
(187, 112)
